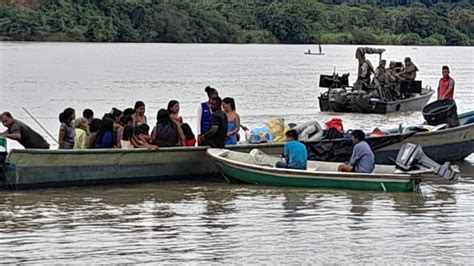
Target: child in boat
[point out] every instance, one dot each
(295, 153)
(66, 130)
(141, 138)
(80, 126)
(362, 159)
(105, 137)
(190, 139)
(167, 132)
(94, 127)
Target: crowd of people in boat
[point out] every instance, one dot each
(218, 125)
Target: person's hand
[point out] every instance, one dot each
(201, 138)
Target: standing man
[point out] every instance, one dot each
(446, 86)
(362, 159)
(22, 133)
(409, 71)
(365, 68)
(217, 133)
(295, 153)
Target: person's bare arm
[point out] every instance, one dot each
(237, 126)
(62, 134)
(182, 138)
(14, 136)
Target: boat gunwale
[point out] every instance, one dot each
(416, 97)
(283, 172)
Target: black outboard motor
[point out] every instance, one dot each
(439, 112)
(411, 157)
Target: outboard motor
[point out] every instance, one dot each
(411, 157)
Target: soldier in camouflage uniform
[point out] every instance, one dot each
(365, 68)
(380, 77)
(391, 73)
(409, 71)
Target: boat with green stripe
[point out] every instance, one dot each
(258, 168)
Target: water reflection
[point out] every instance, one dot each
(176, 222)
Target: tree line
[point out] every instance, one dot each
(236, 21)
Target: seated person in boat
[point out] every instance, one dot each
(94, 127)
(295, 153)
(22, 133)
(141, 138)
(362, 159)
(167, 132)
(80, 127)
(409, 70)
(392, 72)
(217, 133)
(105, 136)
(380, 77)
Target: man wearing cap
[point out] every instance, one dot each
(409, 71)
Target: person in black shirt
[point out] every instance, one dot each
(22, 133)
(217, 133)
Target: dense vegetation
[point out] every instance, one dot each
(237, 21)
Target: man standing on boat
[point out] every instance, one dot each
(22, 133)
(217, 133)
(365, 68)
(445, 86)
(295, 153)
(362, 159)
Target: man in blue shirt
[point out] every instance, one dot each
(295, 152)
(362, 159)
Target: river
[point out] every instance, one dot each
(220, 222)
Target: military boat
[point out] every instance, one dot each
(401, 96)
(394, 90)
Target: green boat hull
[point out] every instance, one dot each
(253, 177)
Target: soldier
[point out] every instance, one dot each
(391, 73)
(409, 71)
(365, 68)
(380, 77)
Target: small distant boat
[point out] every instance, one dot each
(258, 168)
(310, 53)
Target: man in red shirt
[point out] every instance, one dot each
(446, 86)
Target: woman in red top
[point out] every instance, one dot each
(446, 86)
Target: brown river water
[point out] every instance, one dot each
(216, 222)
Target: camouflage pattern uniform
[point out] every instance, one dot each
(380, 77)
(391, 73)
(365, 68)
(409, 71)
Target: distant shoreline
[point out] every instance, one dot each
(240, 22)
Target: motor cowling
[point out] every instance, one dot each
(411, 157)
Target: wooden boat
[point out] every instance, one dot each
(306, 53)
(30, 168)
(451, 144)
(24, 168)
(257, 168)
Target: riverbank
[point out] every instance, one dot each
(238, 22)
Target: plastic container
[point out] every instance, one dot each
(441, 112)
(3, 145)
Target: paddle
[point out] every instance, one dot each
(39, 124)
